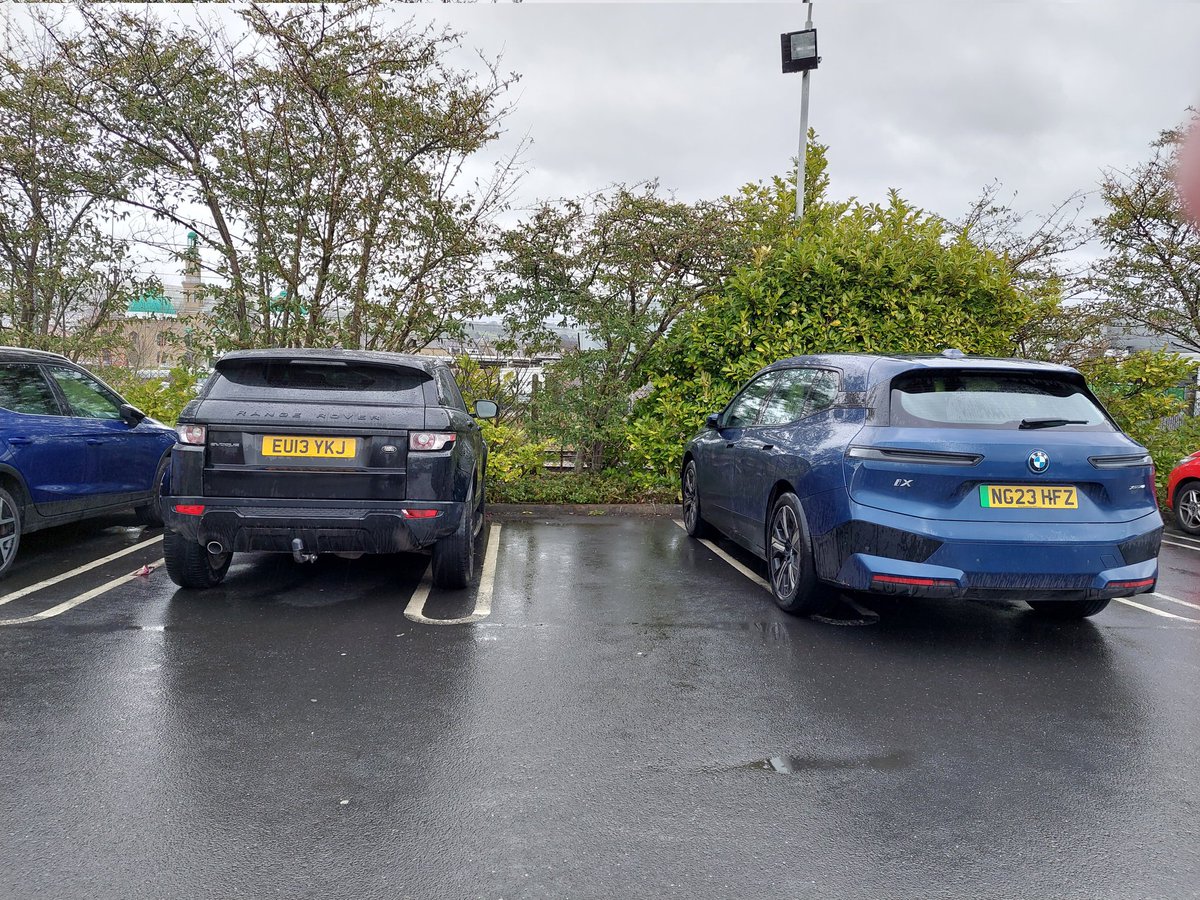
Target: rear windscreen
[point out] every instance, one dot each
(319, 380)
(994, 400)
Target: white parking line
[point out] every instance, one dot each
(1157, 612)
(414, 612)
(26, 591)
(729, 559)
(1184, 546)
(1175, 600)
(76, 601)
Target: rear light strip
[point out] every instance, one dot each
(1121, 462)
(1122, 585)
(920, 457)
(189, 509)
(916, 582)
(420, 513)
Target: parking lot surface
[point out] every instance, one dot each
(615, 710)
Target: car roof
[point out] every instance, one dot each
(24, 354)
(377, 357)
(861, 370)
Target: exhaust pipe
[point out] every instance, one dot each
(298, 553)
(215, 548)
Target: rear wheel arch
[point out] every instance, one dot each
(15, 485)
(781, 487)
(1184, 485)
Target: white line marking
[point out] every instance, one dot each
(1175, 600)
(414, 612)
(76, 601)
(26, 591)
(1157, 612)
(729, 559)
(1184, 546)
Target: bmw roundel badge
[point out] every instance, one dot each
(1039, 462)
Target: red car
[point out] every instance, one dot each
(1183, 493)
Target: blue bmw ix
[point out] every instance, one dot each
(938, 476)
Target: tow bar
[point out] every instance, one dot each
(298, 553)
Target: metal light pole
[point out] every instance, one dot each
(800, 55)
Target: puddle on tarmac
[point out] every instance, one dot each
(800, 765)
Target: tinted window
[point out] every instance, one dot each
(88, 398)
(823, 393)
(24, 390)
(745, 407)
(319, 380)
(791, 392)
(992, 400)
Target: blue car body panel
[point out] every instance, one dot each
(927, 518)
(63, 467)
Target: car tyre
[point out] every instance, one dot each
(1067, 609)
(10, 531)
(790, 562)
(695, 523)
(190, 565)
(454, 555)
(1187, 507)
(151, 514)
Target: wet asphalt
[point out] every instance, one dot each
(632, 717)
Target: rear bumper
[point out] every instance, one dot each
(322, 526)
(904, 555)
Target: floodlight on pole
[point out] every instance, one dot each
(799, 51)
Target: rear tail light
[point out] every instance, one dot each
(189, 509)
(191, 434)
(419, 513)
(430, 440)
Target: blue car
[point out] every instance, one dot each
(71, 448)
(937, 476)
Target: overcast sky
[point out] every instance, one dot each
(936, 99)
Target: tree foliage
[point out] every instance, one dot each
(1151, 275)
(64, 279)
(622, 265)
(859, 278)
(318, 153)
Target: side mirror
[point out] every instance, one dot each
(712, 420)
(131, 415)
(486, 409)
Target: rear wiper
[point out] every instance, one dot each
(1050, 423)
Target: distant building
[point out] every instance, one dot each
(1129, 337)
(156, 322)
(482, 343)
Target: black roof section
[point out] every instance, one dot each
(375, 357)
(23, 354)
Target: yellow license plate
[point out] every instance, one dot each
(309, 447)
(1028, 496)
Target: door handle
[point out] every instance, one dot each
(729, 446)
(92, 442)
(766, 446)
(20, 441)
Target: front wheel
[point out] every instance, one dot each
(454, 555)
(190, 565)
(1187, 507)
(790, 560)
(10, 531)
(1067, 609)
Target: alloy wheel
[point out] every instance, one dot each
(785, 552)
(8, 533)
(691, 508)
(1188, 504)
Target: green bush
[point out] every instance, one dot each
(160, 398)
(861, 278)
(512, 456)
(611, 486)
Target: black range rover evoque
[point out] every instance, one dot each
(326, 451)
